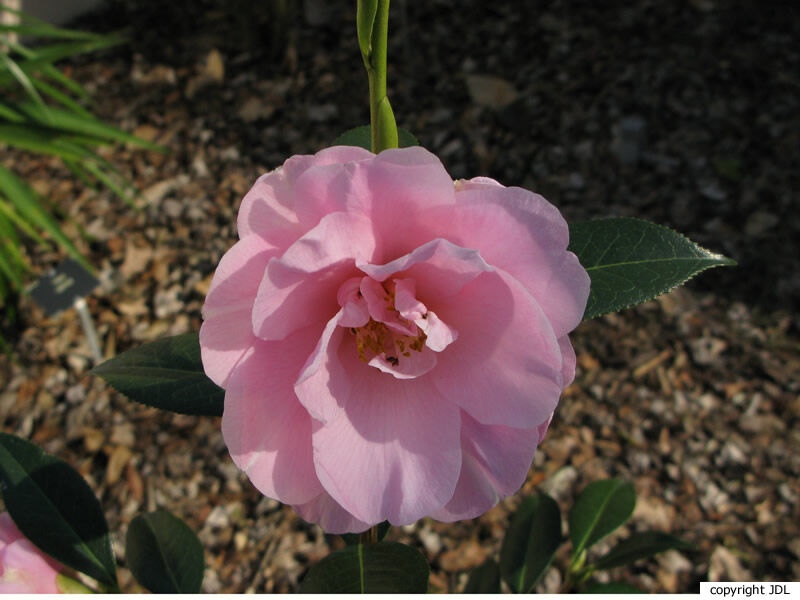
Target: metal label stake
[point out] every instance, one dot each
(66, 286)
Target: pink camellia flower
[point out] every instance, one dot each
(392, 344)
(24, 569)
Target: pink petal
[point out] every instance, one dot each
(8, 531)
(405, 300)
(303, 283)
(322, 384)
(520, 232)
(227, 331)
(439, 268)
(505, 367)
(569, 361)
(26, 570)
(268, 209)
(393, 191)
(440, 335)
(496, 460)
(394, 451)
(409, 367)
(267, 431)
(325, 512)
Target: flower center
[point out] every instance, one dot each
(394, 332)
(376, 338)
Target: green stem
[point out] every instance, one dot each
(382, 124)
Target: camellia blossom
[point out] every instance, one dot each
(392, 343)
(24, 569)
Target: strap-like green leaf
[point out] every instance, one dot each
(631, 261)
(24, 200)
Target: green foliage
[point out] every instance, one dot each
(166, 374)
(41, 111)
(55, 509)
(531, 541)
(600, 509)
(534, 537)
(164, 555)
(631, 261)
(362, 137)
(643, 544)
(484, 579)
(381, 568)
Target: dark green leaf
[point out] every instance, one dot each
(354, 538)
(164, 554)
(362, 137)
(55, 508)
(484, 579)
(532, 539)
(611, 588)
(387, 567)
(600, 509)
(638, 546)
(167, 374)
(631, 261)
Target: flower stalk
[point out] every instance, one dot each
(372, 20)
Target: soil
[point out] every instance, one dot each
(685, 113)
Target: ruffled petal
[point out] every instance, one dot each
(523, 234)
(226, 332)
(304, 281)
(394, 190)
(267, 431)
(439, 269)
(496, 460)
(394, 451)
(268, 209)
(328, 514)
(505, 368)
(323, 385)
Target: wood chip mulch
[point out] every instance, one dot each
(694, 397)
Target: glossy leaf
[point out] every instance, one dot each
(639, 545)
(55, 508)
(531, 541)
(164, 554)
(386, 567)
(484, 579)
(611, 588)
(362, 137)
(600, 509)
(631, 261)
(166, 374)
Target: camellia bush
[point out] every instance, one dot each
(383, 344)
